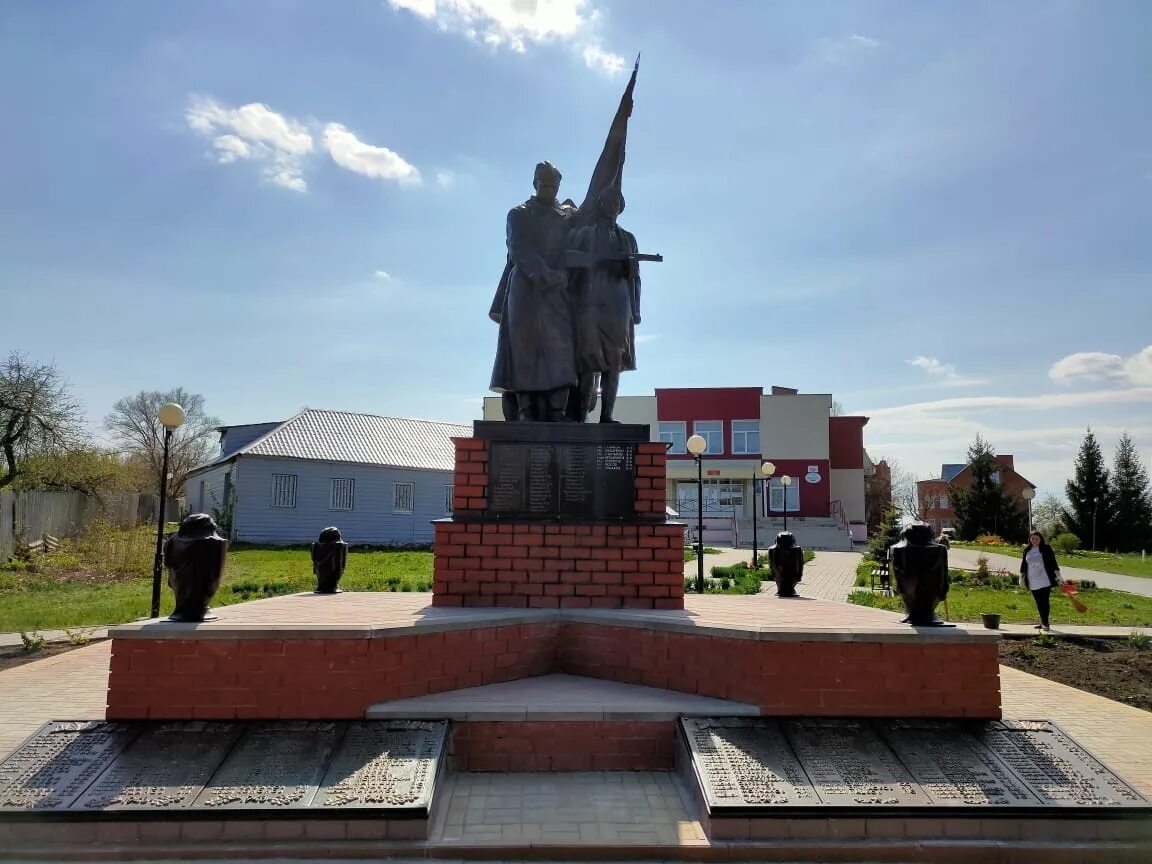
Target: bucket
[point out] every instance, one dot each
(991, 620)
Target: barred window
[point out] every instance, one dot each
(448, 492)
(283, 490)
(402, 497)
(343, 493)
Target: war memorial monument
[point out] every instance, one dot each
(559, 638)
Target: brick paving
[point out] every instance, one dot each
(828, 576)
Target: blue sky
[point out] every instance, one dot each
(938, 212)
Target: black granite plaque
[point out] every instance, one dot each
(575, 481)
(51, 769)
(1057, 769)
(275, 765)
(952, 767)
(850, 766)
(392, 763)
(165, 768)
(742, 762)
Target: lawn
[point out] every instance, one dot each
(69, 596)
(1016, 607)
(1129, 564)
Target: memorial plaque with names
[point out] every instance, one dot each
(746, 762)
(952, 767)
(850, 766)
(382, 764)
(49, 771)
(275, 766)
(165, 768)
(563, 480)
(1058, 770)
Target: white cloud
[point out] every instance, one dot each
(646, 338)
(514, 24)
(254, 132)
(446, 178)
(843, 48)
(597, 58)
(383, 274)
(380, 163)
(1135, 370)
(945, 372)
(1050, 401)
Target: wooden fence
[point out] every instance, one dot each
(28, 516)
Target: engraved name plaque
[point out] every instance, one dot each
(952, 767)
(165, 768)
(391, 764)
(275, 766)
(746, 762)
(536, 480)
(849, 765)
(51, 769)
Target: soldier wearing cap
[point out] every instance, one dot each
(536, 351)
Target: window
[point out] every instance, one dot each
(711, 431)
(203, 496)
(745, 436)
(402, 497)
(449, 491)
(943, 502)
(343, 493)
(283, 490)
(994, 477)
(776, 496)
(673, 434)
(723, 495)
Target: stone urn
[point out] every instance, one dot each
(329, 558)
(786, 563)
(920, 571)
(195, 556)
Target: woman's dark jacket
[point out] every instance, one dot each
(1051, 567)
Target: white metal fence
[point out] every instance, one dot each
(31, 515)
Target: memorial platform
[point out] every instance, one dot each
(315, 657)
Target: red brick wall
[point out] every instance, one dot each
(882, 679)
(343, 677)
(596, 745)
(549, 565)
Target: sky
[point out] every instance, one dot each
(937, 212)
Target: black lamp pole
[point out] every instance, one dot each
(785, 485)
(754, 548)
(699, 525)
(158, 562)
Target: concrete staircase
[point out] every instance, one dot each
(811, 532)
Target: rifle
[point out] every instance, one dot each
(575, 259)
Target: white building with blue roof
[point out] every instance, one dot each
(380, 480)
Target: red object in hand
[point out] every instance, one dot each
(1071, 591)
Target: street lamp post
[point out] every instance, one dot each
(785, 481)
(1095, 507)
(767, 470)
(1028, 494)
(696, 446)
(171, 417)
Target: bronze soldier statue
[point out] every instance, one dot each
(786, 563)
(329, 558)
(194, 556)
(920, 567)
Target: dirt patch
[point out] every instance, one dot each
(1107, 667)
(12, 656)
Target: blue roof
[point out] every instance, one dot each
(947, 472)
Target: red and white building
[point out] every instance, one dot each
(935, 496)
(745, 427)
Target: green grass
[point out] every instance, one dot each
(1128, 564)
(55, 600)
(1015, 606)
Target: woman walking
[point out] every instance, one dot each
(1040, 574)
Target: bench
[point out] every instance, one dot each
(881, 577)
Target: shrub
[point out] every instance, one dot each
(991, 540)
(31, 642)
(1046, 640)
(863, 598)
(982, 574)
(1081, 584)
(1139, 641)
(1067, 543)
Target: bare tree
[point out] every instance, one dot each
(904, 489)
(37, 414)
(837, 409)
(136, 427)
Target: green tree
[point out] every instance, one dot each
(1048, 517)
(984, 507)
(90, 470)
(1130, 529)
(134, 424)
(37, 415)
(888, 534)
(1090, 499)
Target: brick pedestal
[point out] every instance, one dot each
(483, 561)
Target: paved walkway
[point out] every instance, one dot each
(828, 576)
(966, 558)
